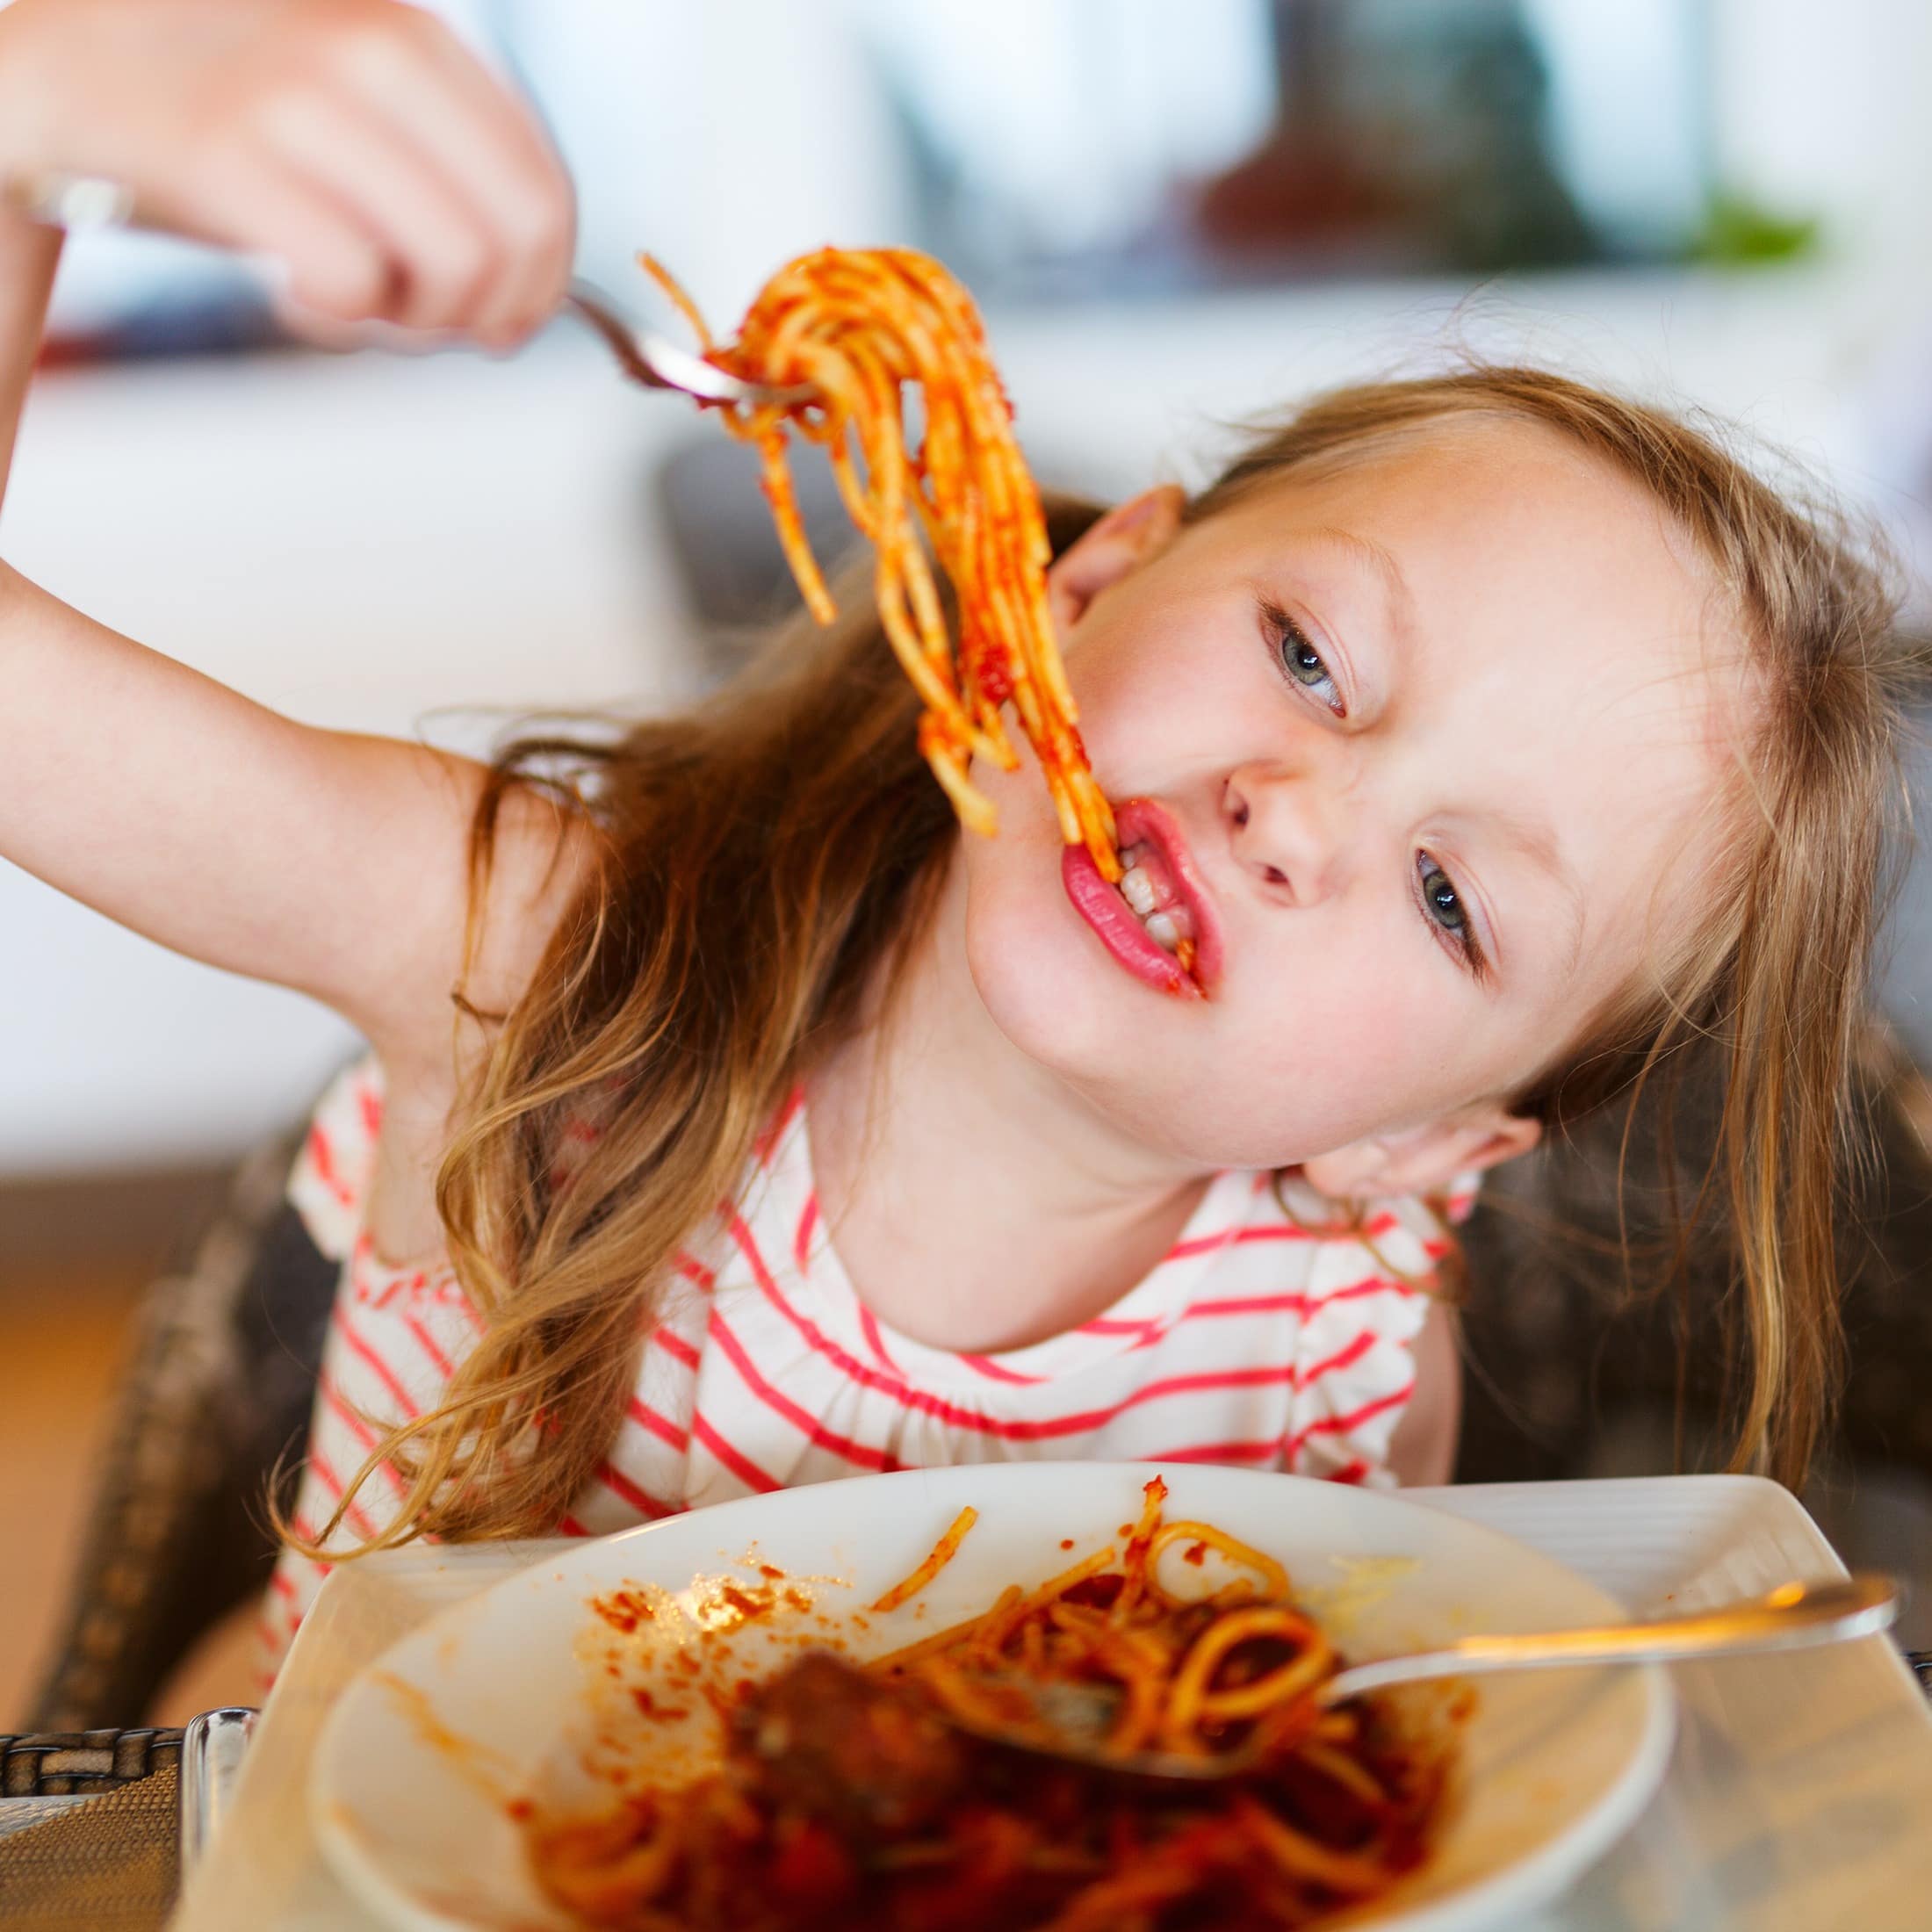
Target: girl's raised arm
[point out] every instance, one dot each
(360, 144)
(27, 259)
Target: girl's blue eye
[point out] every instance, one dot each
(1443, 908)
(1302, 662)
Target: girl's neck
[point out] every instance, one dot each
(976, 1201)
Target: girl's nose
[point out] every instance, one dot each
(1285, 829)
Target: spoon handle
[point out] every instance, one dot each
(1791, 1616)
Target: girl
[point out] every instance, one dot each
(732, 1122)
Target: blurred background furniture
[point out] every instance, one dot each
(59, 1765)
(213, 1404)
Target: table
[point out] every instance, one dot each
(1799, 1795)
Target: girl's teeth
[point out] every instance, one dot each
(1170, 928)
(1167, 929)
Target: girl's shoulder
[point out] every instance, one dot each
(467, 939)
(363, 1180)
(391, 1113)
(332, 1178)
(388, 1311)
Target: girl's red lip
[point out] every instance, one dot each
(1102, 907)
(1140, 821)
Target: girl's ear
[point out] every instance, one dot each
(1120, 543)
(1426, 1159)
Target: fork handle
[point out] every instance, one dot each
(1790, 1617)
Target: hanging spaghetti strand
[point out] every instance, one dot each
(860, 329)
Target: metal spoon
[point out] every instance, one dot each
(1072, 1721)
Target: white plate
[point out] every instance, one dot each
(502, 1697)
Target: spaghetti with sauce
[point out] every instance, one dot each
(858, 328)
(902, 1794)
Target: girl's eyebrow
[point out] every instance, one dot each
(1382, 565)
(1537, 843)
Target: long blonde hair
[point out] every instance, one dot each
(761, 862)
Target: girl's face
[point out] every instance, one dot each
(1423, 743)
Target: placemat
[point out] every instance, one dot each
(107, 1863)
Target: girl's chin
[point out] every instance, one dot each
(1054, 991)
(1072, 1011)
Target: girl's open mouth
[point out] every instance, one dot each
(1158, 923)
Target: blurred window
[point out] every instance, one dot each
(1086, 147)
(1063, 149)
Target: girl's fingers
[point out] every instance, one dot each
(337, 265)
(357, 140)
(483, 141)
(445, 260)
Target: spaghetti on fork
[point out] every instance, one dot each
(856, 327)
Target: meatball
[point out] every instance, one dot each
(852, 1749)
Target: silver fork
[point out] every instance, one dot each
(657, 363)
(1071, 1720)
(78, 202)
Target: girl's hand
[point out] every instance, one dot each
(355, 141)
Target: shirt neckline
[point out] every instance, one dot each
(785, 1210)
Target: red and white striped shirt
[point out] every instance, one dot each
(1260, 1339)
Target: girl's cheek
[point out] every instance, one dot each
(1138, 701)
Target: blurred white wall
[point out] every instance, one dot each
(753, 131)
(365, 541)
(411, 546)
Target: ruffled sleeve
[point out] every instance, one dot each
(329, 1185)
(396, 1333)
(395, 1338)
(1374, 1268)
